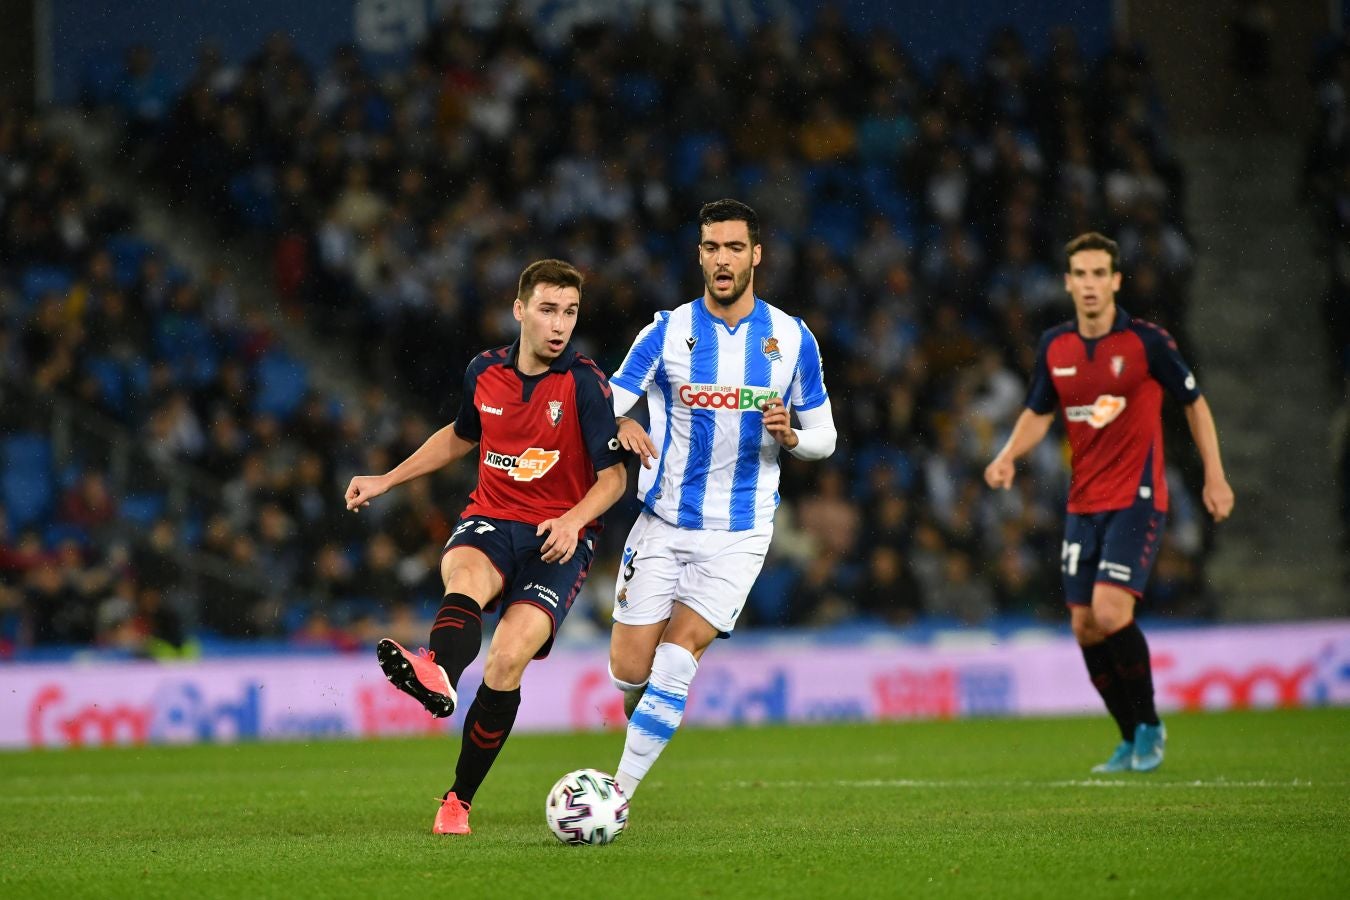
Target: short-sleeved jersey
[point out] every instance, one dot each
(1110, 389)
(706, 385)
(541, 438)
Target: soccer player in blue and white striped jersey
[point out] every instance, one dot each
(722, 375)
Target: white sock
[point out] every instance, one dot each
(658, 715)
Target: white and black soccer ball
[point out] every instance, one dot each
(586, 807)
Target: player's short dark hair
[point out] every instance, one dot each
(730, 211)
(1092, 240)
(548, 271)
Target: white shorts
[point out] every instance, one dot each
(711, 572)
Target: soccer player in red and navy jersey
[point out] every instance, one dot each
(1107, 372)
(549, 464)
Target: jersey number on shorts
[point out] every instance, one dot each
(1069, 557)
(482, 527)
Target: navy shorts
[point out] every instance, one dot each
(513, 548)
(1116, 547)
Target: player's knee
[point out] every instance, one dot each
(1112, 610)
(506, 662)
(503, 670)
(627, 678)
(1086, 631)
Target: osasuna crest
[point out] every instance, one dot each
(1117, 365)
(555, 412)
(770, 348)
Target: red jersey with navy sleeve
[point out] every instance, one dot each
(541, 438)
(1110, 390)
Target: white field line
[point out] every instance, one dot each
(938, 783)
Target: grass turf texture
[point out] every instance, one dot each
(1247, 805)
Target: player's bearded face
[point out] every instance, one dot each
(728, 260)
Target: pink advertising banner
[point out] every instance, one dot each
(251, 698)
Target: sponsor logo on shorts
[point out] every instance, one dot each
(722, 396)
(526, 466)
(1115, 571)
(1100, 414)
(545, 593)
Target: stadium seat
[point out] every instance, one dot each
(27, 484)
(282, 384)
(128, 253)
(110, 377)
(143, 509)
(38, 281)
(687, 161)
(837, 226)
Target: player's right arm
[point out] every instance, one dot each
(1032, 425)
(630, 383)
(439, 450)
(1029, 431)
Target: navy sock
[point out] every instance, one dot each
(1102, 670)
(487, 725)
(1129, 649)
(457, 635)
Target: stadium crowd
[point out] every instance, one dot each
(913, 219)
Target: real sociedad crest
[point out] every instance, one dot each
(770, 348)
(554, 412)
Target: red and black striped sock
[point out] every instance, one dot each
(1102, 670)
(487, 725)
(1135, 669)
(457, 635)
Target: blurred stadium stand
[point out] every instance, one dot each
(178, 434)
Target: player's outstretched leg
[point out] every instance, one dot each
(658, 714)
(419, 676)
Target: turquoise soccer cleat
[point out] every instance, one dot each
(1122, 759)
(1149, 741)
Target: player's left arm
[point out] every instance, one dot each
(564, 532)
(595, 419)
(815, 438)
(1166, 364)
(1217, 493)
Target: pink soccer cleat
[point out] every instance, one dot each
(452, 817)
(417, 676)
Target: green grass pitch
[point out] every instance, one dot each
(1247, 805)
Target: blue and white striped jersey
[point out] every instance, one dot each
(718, 465)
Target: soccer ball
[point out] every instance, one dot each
(586, 807)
